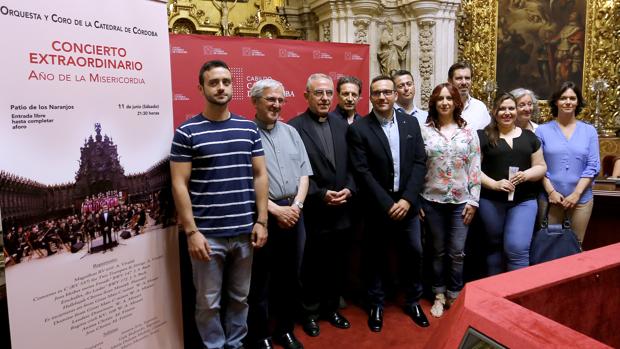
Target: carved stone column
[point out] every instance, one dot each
(365, 14)
(430, 26)
(427, 54)
(361, 30)
(434, 31)
(338, 16)
(446, 47)
(326, 12)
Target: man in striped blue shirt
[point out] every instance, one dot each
(220, 186)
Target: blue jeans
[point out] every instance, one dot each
(509, 227)
(231, 260)
(448, 234)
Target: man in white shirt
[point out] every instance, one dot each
(475, 111)
(405, 90)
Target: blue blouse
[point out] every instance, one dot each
(569, 160)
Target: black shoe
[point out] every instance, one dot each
(337, 320)
(289, 341)
(264, 344)
(311, 327)
(375, 318)
(417, 315)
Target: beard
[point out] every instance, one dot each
(214, 100)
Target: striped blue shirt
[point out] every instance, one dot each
(221, 185)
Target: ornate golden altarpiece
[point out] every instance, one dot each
(254, 18)
(477, 44)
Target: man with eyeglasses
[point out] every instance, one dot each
(327, 206)
(405, 89)
(474, 111)
(276, 267)
(389, 161)
(349, 89)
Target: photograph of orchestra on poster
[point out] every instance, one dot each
(96, 213)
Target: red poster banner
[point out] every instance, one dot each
(253, 59)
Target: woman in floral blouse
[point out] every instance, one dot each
(451, 190)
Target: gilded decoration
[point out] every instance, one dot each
(256, 18)
(478, 37)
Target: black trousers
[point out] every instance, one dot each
(275, 281)
(323, 271)
(384, 236)
(107, 236)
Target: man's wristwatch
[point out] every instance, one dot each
(299, 204)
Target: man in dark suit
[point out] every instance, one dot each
(388, 158)
(326, 210)
(106, 223)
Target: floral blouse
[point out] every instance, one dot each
(453, 175)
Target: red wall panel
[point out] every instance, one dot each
(251, 59)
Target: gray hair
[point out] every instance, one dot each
(257, 89)
(520, 92)
(317, 76)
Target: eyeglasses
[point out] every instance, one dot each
(387, 93)
(273, 100)
(320, 93)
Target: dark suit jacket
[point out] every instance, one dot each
(371, 160)
(343, 114)
(109, 223)
(318, 215)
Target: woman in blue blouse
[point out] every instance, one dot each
(571, 151)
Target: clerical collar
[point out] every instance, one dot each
(316, 117)
(264, 126)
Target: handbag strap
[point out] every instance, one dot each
(566, 223)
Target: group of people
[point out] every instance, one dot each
(398, 169)
(111, 198)
(54, 235)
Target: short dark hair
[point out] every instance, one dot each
(433, 115)
(401, 72)
(555, 97)
(208, 66)
(459, 65)
(348, 80)
(379, 78)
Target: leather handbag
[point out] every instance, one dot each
(553, 241)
